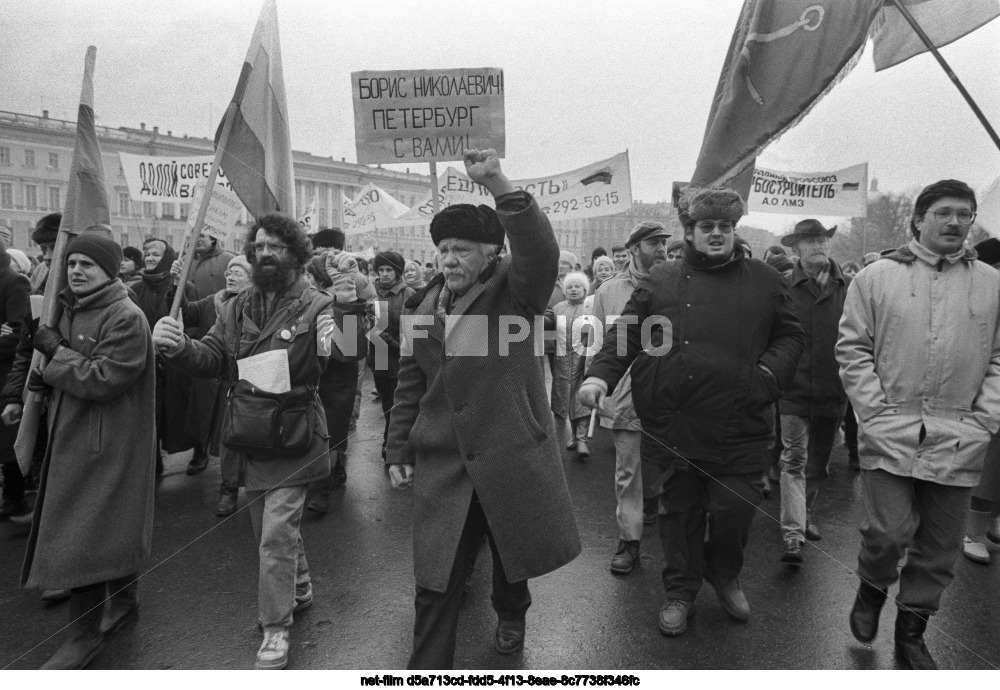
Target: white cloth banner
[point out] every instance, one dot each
(372, 210)
(599, 189)
(837, 193)
(988, 211)
(166, 178)
(224, 210)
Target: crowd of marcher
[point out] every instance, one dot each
(721, 378)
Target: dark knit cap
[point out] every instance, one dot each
(317, 269)
(989, 251)
(467, 222)
(103, 250)
(46, 229)
(391, 259)
(134, 255)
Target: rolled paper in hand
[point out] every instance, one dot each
(593, 422)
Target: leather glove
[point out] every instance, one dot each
(47, 340)
(35, 382)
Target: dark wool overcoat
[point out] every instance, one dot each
(482, 423)
(697, 384)
(208, 272)
(816, 390)
(93, 519)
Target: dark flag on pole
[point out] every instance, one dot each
(257, 157)
(784, 56)
(86, 210)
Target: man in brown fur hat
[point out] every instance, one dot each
(723, 344)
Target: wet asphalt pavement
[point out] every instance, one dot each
(199, 596)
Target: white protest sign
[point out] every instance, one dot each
(309, 220)
(599, 189)
(373, 209)
(166, 178)
(427, 115)
(223, 211)
(988, 212)
(837, 193)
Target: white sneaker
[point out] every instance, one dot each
(273, 652)
(975, 551)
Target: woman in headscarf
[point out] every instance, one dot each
(154, 292)
(413, 276)
(604, 268)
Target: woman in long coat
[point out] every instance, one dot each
(154, 293)
(93, 520)
(569, 360)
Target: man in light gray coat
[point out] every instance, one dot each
(919, 355)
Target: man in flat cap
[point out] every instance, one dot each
(647, 246)
(919, 355)
(812, 406)
(471, 429)
(712, 340)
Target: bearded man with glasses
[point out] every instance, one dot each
(919, 354)
(712, 339)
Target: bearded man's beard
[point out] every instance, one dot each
(273, 275)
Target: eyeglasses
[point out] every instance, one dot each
(707, 226)
(272, 247)
(232, 274)
(964, 216)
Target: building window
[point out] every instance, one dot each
(54, 161)
(30, 197)
(168, 210)
(123, 204)
(185, 211)
(4, 155)
(29, 158)
(55, 199)
(6, 194)
(148, 209)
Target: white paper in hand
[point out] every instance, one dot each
(267, 371)
(36, 306)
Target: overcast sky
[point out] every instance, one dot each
(584, 80)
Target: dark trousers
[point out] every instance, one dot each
(13, 480)
(337, 387)
(436, 625)
(921, 519)
(386, 387)
(851, 432)
(692, 499)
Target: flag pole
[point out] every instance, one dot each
(435, 202)
(947, 68)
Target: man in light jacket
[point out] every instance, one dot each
(647, 246)
(919, 355)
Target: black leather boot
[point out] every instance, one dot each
(866, 610)
(911, 652)
(85, 639)
(123, 604)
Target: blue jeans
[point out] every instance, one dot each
(284, 572)
(805, 463)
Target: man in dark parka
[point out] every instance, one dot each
(471, 428)
(712, 340)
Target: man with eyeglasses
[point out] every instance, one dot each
(919, 354)
(278, 312)
(712, 339)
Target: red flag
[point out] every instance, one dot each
(944, 21)
(257, 157)
(784, 56)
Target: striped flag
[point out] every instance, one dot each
(257, 157)
(87, 197)
(944, 21)
(86, 209)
